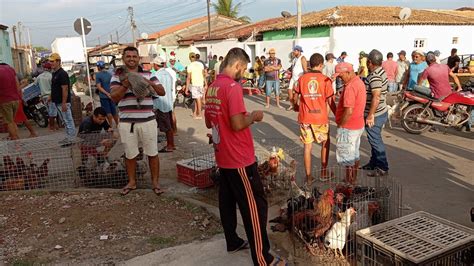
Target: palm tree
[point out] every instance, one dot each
(228, 9)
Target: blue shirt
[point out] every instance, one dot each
(415, 70)
(164, 103)
(103, 78)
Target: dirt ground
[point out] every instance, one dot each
(95, 227)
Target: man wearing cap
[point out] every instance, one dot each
(137, 122)
(164, 105)
(349, 120)
(376, 114)
(44, 82)
(61, 95)
(437, 53)
(9, 98)
(417, 66)
(102, 81)
(329, 68)
(390, 68)
(299, 66)
(272, 68)
(438, 77)
(341, 58)
(196, 83)
(402, 67)
(363, 70)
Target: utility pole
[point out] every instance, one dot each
(98, 38)
(298, 28)
(14, 36)
(209, 18)
(132, 25)
(116, 33)
(111, 41)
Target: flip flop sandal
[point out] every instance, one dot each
(126, 190)
(276, 261)
(164, 150)
(158, 191)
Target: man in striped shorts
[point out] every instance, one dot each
(240, 184)
(376, 113)
(137, 122)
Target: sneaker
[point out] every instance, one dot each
(377, 173)
(368, 167)
(244, 245)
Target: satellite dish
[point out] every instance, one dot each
(404, 13)
(144, 35)
(285, 14)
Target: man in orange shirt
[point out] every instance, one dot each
(314, 92)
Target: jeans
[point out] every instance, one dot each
(378, 157)
(392, 86)
(270, 85)
(68, 120)
(261, 81)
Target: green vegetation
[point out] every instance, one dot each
(229, 9)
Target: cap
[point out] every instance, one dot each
(362, 53)
(172, 57)
(437, 52)
(419, 51)
(100, 64)
(298, 48)
(343, 53)
(330, 56)
(158, 60)
(54, 57)
(271, 50)
(402, 52)
(343, 67)
(172, 53)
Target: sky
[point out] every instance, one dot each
(48, 19)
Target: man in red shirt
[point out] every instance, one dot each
(391, 68)
(240, 183)
(314, 92)
(350, 120)
(9, 98)
(438, 77)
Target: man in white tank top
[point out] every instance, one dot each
(299, 66)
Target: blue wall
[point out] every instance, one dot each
(5, 48)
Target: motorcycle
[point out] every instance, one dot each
(35, 109)
(421, 111)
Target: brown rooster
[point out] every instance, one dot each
(313, 224)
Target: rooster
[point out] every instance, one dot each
(313, 224)
(268, 170)
(337, 236)
(138, 85)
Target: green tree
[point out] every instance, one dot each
(229, 9)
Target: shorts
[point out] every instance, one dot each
(165, 120)
(270, 84)
(8, 111)
(312, 132)
(292, 84)
(196, 91)
(108, 105)
(347, 146)
(144, 134)
(52, 109)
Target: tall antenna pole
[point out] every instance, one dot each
(209, 18)
(133, 26)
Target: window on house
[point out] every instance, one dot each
(455, 40)
(420, 43)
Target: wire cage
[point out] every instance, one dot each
(323, 217)
(42, 162)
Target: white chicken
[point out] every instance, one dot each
(337, 235)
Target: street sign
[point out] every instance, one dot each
(78, 26)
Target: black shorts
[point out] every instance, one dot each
(165, 120)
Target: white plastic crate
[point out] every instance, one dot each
(419, 238)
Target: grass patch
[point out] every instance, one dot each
(161, 242)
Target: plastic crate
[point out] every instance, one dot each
(196, 171)
(416, 239)
(31, 91)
